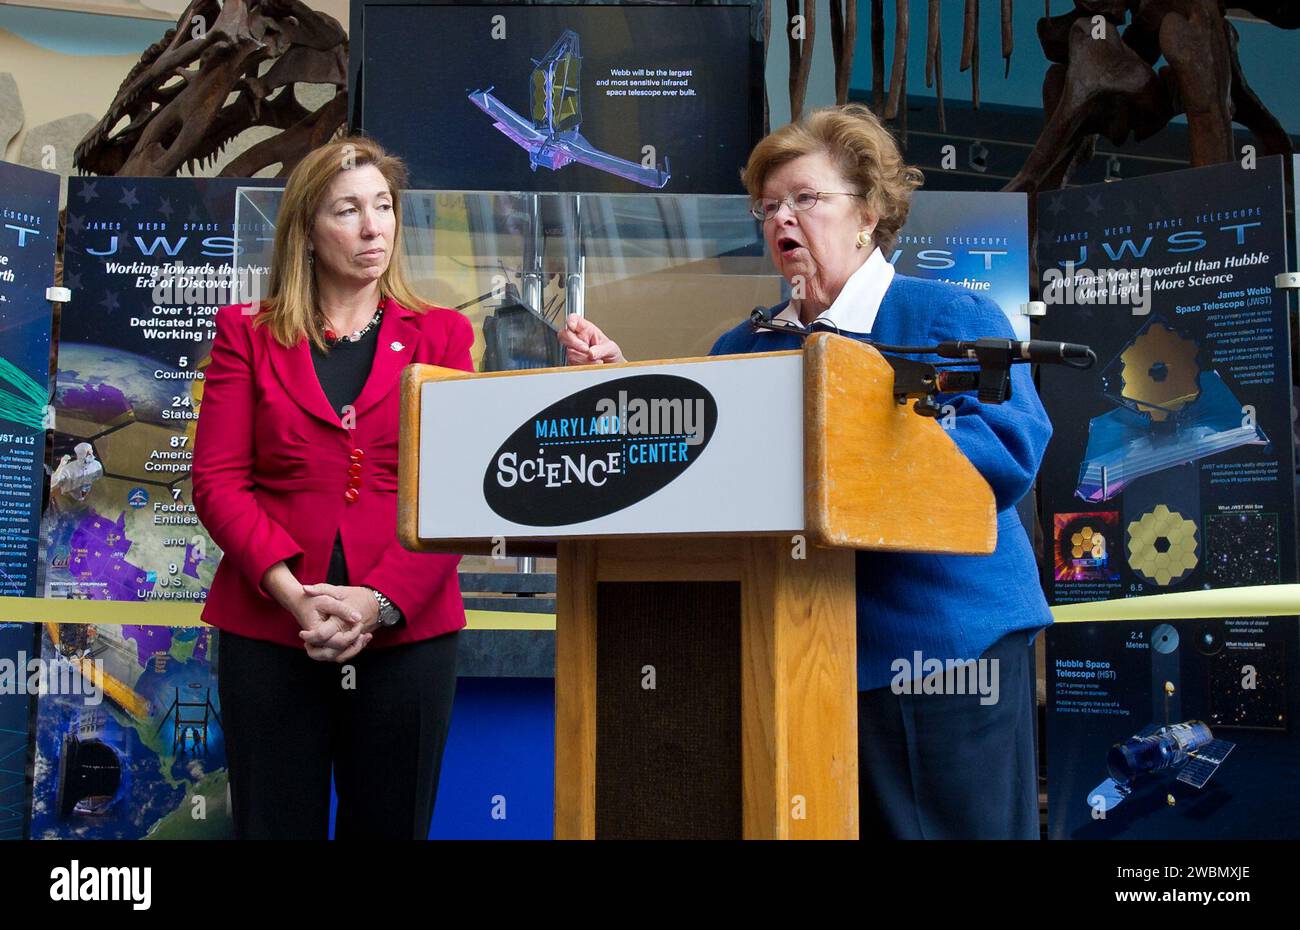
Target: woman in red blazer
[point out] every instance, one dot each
(338, 645)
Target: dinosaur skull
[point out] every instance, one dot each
(227, 66)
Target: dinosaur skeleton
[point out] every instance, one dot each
(844, 32)
(227, 66)
(1101, 81)
(887, 100)
(202, 85)
(1110, 86)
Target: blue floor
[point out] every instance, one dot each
(498, 772)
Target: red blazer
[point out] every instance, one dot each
(271, 472)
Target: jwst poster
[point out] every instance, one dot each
(1170, 466)
(975, 239)
(1170, 469)
(29, 219)
(149, 261)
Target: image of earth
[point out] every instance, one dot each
(115, 543)
(100, 384)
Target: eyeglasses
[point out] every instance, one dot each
(799, 201)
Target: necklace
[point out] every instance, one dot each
(332, 337)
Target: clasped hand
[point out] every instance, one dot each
(337, 620)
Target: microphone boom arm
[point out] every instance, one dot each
(983, 366)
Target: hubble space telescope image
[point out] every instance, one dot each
(1189, 749)
(552, 137)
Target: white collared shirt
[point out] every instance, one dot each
(855, 309)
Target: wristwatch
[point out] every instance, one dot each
(389, 613)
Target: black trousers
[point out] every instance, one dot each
(945, 766)
(289, 720)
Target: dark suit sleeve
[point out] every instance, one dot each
(1005, 442)
(222, 468)
(410, 579)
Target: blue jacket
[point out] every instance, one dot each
(947, 606)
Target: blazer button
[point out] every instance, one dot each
(354, 481)
(357, 455)
(354, 469)
(351, 495)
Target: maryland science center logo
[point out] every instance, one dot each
(600, 450)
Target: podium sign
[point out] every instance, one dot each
(681, 447)
(772, 444)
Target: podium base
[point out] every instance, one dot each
(705, 688)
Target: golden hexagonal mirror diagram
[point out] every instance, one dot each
(1158, 372)
(1162, 545)
(1087, 542)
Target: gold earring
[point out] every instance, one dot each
(864, 238)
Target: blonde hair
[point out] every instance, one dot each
(290, 305)
(861, 148)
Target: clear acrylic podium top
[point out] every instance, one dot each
(663, 275)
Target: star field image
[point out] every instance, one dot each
(1242, 548)
(1261, 706)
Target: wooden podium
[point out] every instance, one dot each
(705, 652)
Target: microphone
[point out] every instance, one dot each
(1033, 350)
(763, 318)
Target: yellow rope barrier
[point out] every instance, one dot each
(1276, 600)
(172, 613)
(1270, 600)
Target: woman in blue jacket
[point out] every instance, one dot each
(832, 192)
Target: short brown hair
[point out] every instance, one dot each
(290, 304)
(860, 146)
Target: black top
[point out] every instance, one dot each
(342, 372)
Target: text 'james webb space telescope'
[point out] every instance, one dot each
(552, 138)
